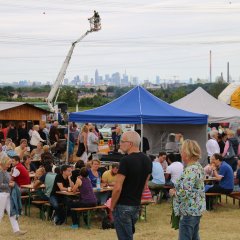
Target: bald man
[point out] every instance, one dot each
(133, 174)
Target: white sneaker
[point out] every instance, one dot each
(20, 232)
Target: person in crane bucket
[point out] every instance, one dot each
(95, 21)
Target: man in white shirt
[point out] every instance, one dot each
(212, 144)
(174, 170)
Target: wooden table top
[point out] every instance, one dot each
(66, 193)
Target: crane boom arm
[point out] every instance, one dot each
(62, 73)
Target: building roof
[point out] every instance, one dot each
(9, 105)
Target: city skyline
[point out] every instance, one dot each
(109, 79)
(170, 39)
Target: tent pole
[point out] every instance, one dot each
(141, 135)
(67, 156)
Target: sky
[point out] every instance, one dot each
(145, 38)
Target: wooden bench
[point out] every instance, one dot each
(213, 197)
(144, 205)
(234, 196)
(88, 211)
(40, 203)
(163, 190)
(25, 199)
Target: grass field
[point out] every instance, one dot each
(220, 224)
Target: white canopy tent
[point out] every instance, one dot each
(199, 101)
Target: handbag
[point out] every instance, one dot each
(81, 149)
(230, 153)
(174, 219)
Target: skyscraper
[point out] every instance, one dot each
(96, 78)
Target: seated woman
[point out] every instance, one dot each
(28, 164)
(93, 172)
(37, 152)
(87, 197)
(94, 175)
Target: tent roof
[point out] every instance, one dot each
(199, 101)
(226, 94)
(138, 106)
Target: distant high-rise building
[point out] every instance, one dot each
(157, 80)
(96, 77)
(135, 81)
(107, 78)
(124, 81)
(116, 79)
(85, 78)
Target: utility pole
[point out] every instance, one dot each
(228, 79)
(210, 66)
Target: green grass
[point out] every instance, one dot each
(220, 224)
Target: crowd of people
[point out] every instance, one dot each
(24, 151)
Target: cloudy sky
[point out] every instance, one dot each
(145, 38)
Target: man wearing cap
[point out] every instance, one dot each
(22, 149)
(20, 174)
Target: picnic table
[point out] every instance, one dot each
(30, 191)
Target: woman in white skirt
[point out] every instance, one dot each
(5, 189)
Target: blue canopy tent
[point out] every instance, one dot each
(138, 106)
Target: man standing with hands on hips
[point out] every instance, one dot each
(133, 174)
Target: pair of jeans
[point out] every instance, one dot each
(55, 201)
(125, 218)
(189, 228)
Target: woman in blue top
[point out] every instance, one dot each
(93, 172)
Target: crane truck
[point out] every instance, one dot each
(95, 25)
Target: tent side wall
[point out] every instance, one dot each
(155, 133)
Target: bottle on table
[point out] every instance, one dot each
(98, 184)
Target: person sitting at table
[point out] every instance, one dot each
(27, 163)
(109, 177)
(20, 175)
(62, 182)
(87, 197)
(224, 176)
(158, 179)
(174, 170)
(94, 174)
(37, 152)
(47, 179)
(162, 156)
(76, 172)
(6, 186)
(46, 155)
(22, 148)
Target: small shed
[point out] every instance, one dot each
(22, 111)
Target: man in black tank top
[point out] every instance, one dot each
(133, 174)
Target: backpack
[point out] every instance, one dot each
(106, 223)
